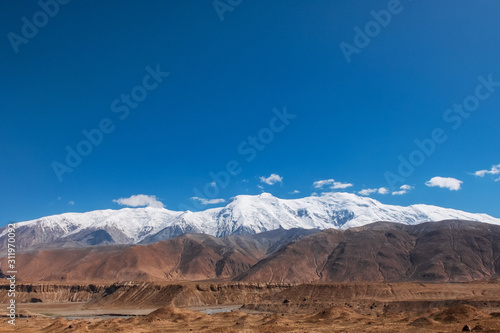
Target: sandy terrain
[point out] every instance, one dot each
(334, 319)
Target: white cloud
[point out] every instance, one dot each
(295, 192)
(383, 190)
(495, 170)
(71, 203)
(368, 191)
(403, 189)
(140, 200)
(340, 185)
(334, 185)
(204, 201)
(445, 182)
(272, 179)
(321, 183)
(213, 184)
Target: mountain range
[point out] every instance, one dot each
(242, 215)
(444, 251)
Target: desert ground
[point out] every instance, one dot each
(257, 307)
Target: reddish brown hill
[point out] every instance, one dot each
(438, 251)
(188, 257)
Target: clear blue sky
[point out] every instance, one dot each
(352, 121)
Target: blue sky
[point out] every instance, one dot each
(227, 81)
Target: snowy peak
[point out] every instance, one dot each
(244, 214)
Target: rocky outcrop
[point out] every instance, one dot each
(49, 293)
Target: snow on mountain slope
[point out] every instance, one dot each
(243, 214)
(135, 223)
(331, 210)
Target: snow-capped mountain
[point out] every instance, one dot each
(243, 214)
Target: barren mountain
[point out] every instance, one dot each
(188, 257)
(447, 251)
